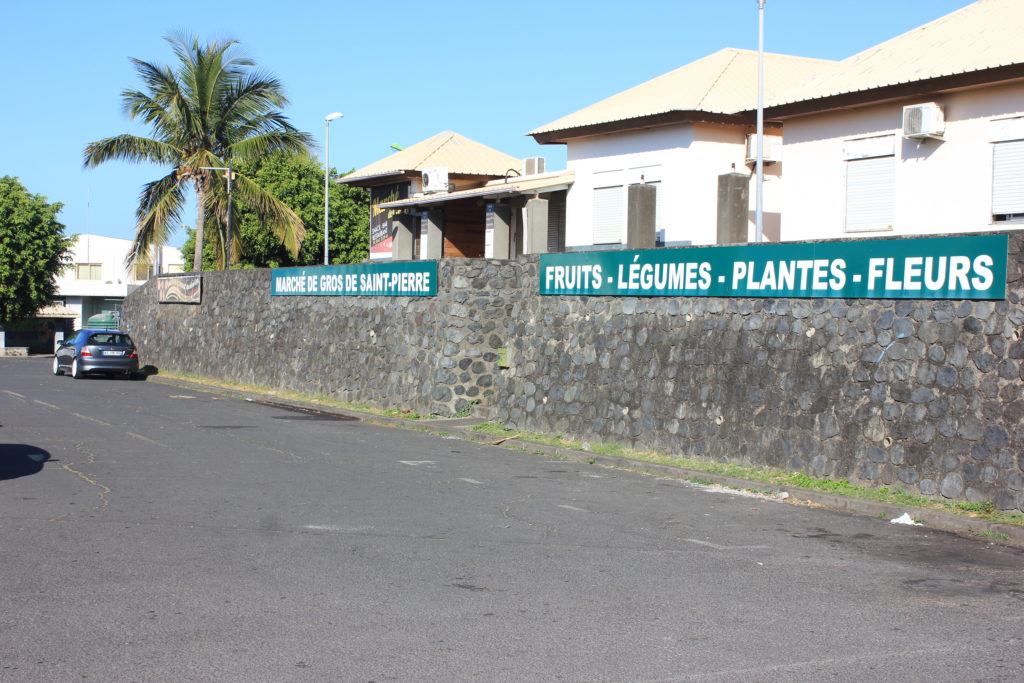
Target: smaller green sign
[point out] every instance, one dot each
(413, 278)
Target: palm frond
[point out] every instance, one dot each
(287, 226)
(291, 142)
(160, 205)
(131, 148)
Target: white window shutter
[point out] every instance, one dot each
(1008, 177)
(870, 194)
(609, 215)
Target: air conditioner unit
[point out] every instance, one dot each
(771, 152)
(923, 121)
(533, 165)
(435, 179)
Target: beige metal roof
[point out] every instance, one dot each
(984, 35)
(721, 83)
(460, 155)
(548, 182)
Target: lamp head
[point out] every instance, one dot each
(335, 115)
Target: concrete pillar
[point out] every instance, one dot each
(733, 208)
(497, 240)
(537, 226)
(432, 235)
(641, 213)
(403, 228)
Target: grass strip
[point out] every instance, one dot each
(895, 496)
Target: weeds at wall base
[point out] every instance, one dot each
(982, 510)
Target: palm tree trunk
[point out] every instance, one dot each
(197, 263)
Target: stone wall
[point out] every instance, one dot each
(430, 355)
(920, 395)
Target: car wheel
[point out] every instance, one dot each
(76, 371)
(56, 366)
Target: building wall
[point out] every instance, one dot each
(686, 160)
(940, 186)
(89, 297)
(914, 394)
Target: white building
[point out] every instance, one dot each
(922, 134)
(97, 281)
(679, 132)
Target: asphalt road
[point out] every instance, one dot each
(153, 533)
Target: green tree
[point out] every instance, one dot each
(298, 181)
(214, 109)
(33, 250)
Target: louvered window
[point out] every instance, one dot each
(870, 194)
(1008, 180)
(609, 214)
(556, 222)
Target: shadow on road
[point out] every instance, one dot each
(21, 460)
(147, 370)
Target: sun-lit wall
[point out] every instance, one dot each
(940, 186)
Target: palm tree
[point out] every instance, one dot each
(213, 110)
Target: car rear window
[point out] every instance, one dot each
(110, 339)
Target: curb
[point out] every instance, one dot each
(938, 520)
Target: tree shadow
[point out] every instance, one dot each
(21, 460)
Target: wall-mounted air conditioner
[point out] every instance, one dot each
(771, 151)
(533, 165)
(923, 121)
(435, 179)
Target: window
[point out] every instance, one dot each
(870, 183)
(89, 271)
(556, 222)
(142, 271)
(1008, 181)
(609, 214)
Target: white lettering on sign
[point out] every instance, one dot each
(932, 273)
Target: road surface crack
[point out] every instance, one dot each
(90, 458)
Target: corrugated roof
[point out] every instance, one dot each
(721, 83)
(983, 35)
(503, 186)
(53, 310)
(459, 154)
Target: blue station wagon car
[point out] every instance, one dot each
(109, 352)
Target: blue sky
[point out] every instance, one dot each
(400, 70)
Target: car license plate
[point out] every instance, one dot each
(113, 353)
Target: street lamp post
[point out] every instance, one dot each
(230, 175)
(327, 173)
(759, 209)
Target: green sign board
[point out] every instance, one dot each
(413, 278)
(972, 267)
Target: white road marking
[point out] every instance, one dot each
(727, 547)
(14, 394)
(144, 438)
(570, 507)
(471, 481)
(331, 527)
(93, 419)
(417, 463)
(44, 403)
